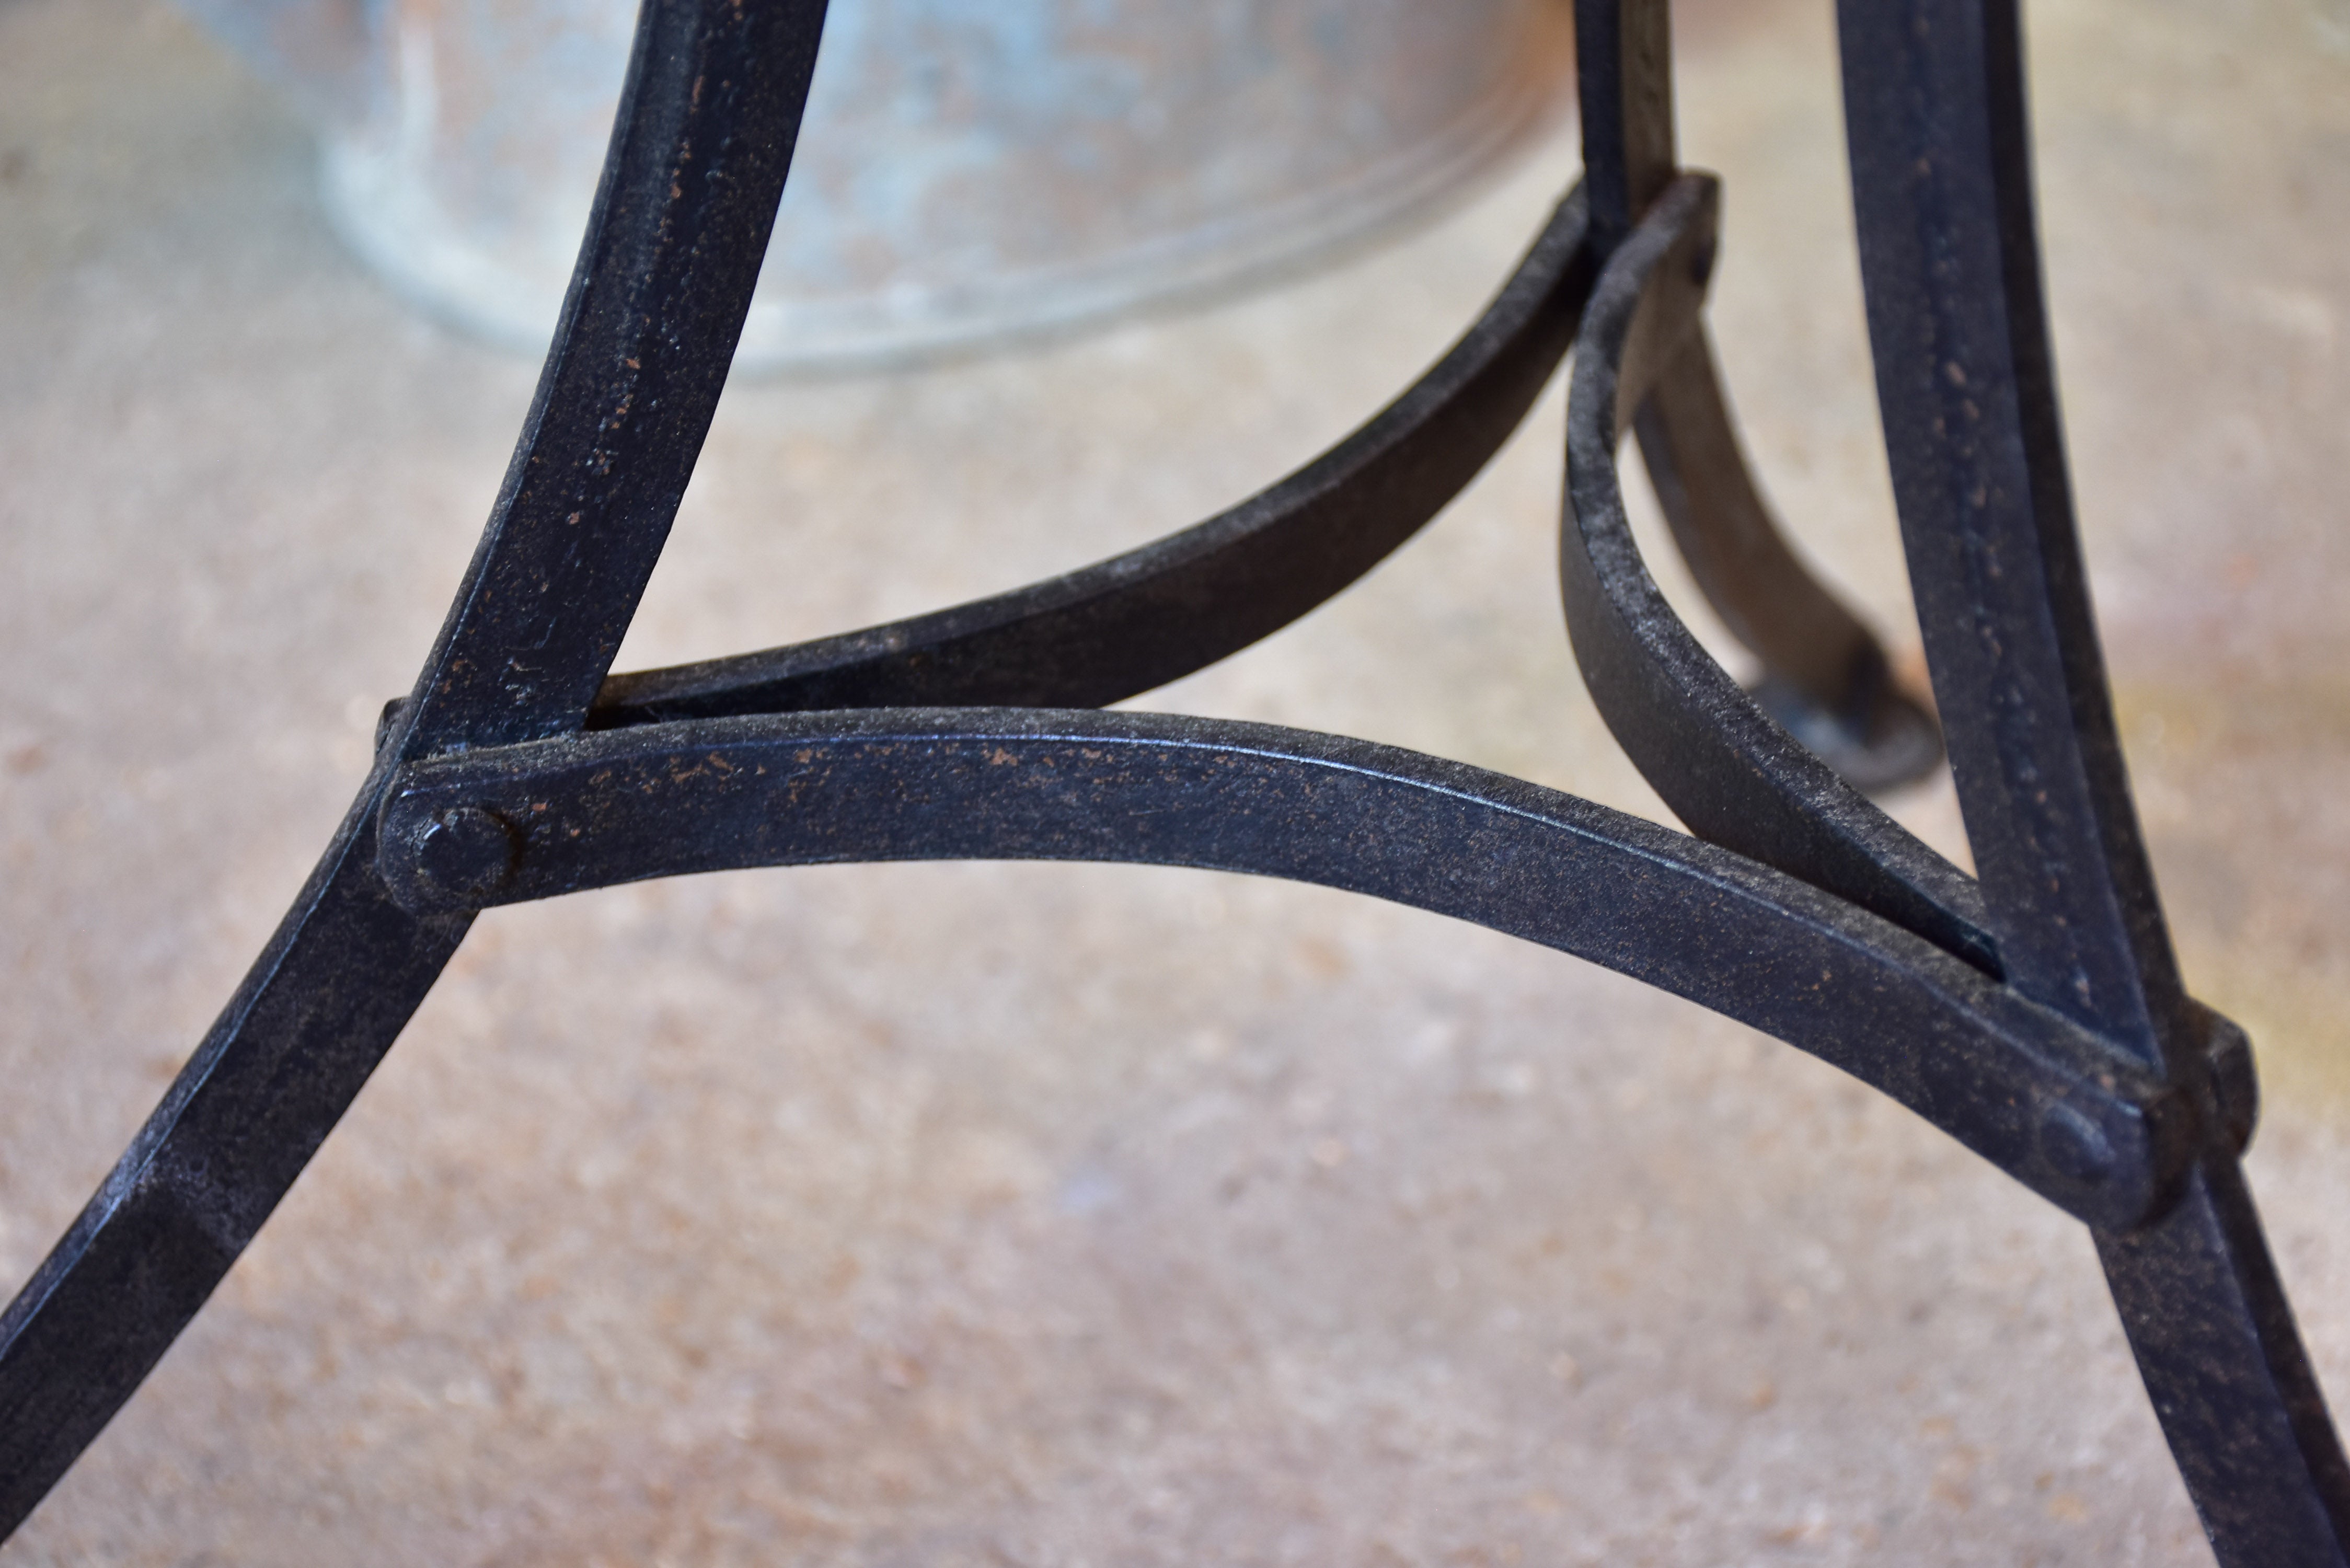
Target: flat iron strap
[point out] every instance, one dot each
(1121, 627)
(2028, 1091)
(1824, 677)
(1733, 775)
(1935, 113)
(1950, 260)
(703, 139)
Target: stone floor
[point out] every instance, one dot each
(1062, 1216)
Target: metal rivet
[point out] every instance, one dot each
(2074, 1145)
(465, 852)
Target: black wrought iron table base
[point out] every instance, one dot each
(2035, 1012)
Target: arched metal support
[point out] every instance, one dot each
(1824, 680)
(1121, 627)
(517, 823)
(1735, 776)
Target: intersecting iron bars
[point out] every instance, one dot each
(2037, 1015)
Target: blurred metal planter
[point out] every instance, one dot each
(973, 169)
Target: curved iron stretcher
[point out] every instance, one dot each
(2035, 1015)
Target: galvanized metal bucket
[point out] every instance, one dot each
(971, 172)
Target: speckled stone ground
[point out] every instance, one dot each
(1047, 1215)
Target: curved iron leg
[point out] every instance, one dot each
(705, 132)
(323, 1003)
(2215, 1341)
(1935, 107)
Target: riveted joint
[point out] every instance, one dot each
(2143, 1142)
(2111, 1153)
(2075, 1145)
(455, 857)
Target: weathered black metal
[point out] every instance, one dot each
(1941, 153)
(1824, 679)
(2035, 1096)
(1735, 776)
(690, 189)
(2037, 1017)
(1135, 621)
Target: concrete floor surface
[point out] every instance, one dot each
(1058, 1216)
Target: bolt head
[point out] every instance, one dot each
(2071, 1142)
(465, 852)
